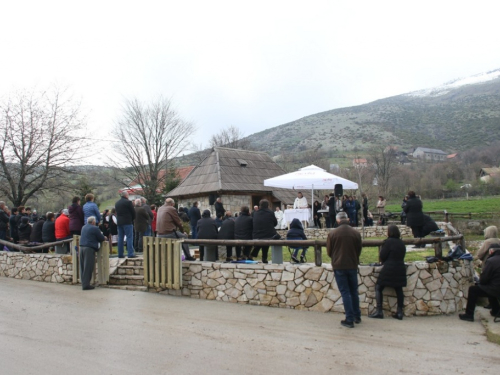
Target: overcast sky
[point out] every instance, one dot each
(251, 64)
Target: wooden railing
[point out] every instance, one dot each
(101, 269)
(162, 262)
(277, 245)
(33, 249)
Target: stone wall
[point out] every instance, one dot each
(431, 289)
(52, 268)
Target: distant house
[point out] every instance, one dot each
(359, 163)
(135, 189)
(486, 174)
(237, 176)
(451, 156)
(429, 154)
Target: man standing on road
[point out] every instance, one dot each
(194, 215)
(167, 221)
(125, 215)
(89, 243)
(343, 245)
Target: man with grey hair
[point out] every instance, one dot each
(167, 223)
(145, 205)
(125, 216)
(344, 245)
(90, 240)
(4, 221)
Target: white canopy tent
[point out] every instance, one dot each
(310, 177)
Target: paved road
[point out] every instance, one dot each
(59, 329)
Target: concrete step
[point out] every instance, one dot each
(126, 280)
(135, 262)
(130, 270)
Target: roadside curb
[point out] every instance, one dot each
(492, 328)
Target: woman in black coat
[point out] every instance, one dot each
(207, 230)
(393, 273)
(226, 232)
(414, 215)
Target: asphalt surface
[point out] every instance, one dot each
(60, 329)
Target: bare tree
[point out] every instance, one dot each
(150, 135)
(230, 137)
(39, 139)
(385, 162)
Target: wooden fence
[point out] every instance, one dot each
(277, 245)
(162, 262)
(101, 269)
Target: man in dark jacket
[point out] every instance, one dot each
(207, 230)
(125, 216)
(264, 222)
(36, 233)
(141, 224)
(49, 228)
(194, 216)
(243, 228)
(414, 215)
(226, 232)
(219, 208)
(489, 286)
(89, 244)
(343, 245)
(4, 221)
(13, 225)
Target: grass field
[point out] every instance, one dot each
(474, 205)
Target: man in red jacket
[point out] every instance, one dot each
(62, 226)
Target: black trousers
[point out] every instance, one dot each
(265, 251)
(399, 294)
(475, 292)
(229, 251)
(87, 263)
(246, 250)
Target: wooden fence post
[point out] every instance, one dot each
(318, 255)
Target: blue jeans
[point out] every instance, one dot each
(149, 231)
(347, 281)
(194, 233)
(126, 230)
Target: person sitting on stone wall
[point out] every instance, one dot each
(489, 286)
(296, 232)
(490, 237)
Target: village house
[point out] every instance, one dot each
(486, 174)
(429, 154)
(237, 176)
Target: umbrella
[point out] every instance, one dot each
(310, 177)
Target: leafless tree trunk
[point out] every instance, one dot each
(40, 136)
(150, 135)
(384, 159)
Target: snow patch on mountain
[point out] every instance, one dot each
(447, 87)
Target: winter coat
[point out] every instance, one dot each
(206, 228)
(24, 229)
(141, 221)
(4, 220)
(13, 227)
(194, 215)
(219, 209)
(296, 231)
(48, 231)
(491, 237)
(489, 281)
(113, 227)
(125, 213)
(62, 227)
(392, 256)
(36, 231)
(153, 223)
(414, 214)
(264, 222)
(226, 231)
(91, 209)
(429, 226)
(331, 206)
(381, 206)
(350, 206)
(343, 245)
(243, 227)
(76, 217)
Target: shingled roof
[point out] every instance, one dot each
(233, 170)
